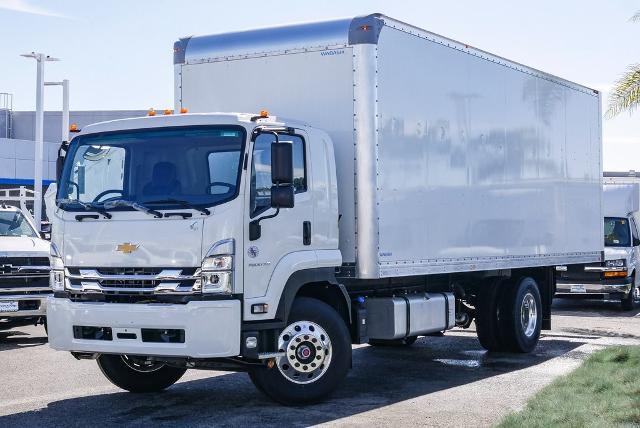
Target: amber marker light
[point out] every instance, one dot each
(152, 112)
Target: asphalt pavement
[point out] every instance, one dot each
(440, 381)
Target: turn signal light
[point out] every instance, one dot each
(616, 274)
(152, 112)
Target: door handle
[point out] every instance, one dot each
(306, 233)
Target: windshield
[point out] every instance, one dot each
(616, 232)
(13, 223)
(198, 165)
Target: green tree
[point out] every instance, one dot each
(625, 95)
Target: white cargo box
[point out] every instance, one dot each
(621, 200)
(449, 158)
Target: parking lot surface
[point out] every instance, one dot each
(444, 381)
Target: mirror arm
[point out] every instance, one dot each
(255, 230)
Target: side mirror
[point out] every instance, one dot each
(282, 196)
(636, 242)
(62, 153)
(281, 163)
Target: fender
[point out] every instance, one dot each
(287, 266)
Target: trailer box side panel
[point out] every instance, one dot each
(481, 165)
(316, 87)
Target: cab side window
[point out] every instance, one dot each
(260, 190)
(634, 227)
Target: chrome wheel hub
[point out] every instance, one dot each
(307, 349)
(529, 315)
(141, 364)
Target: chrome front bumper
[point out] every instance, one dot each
(40, 299)
(211, 328)
(603, 287)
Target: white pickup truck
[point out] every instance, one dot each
(24, 270)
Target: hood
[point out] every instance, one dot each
(133, 240)
(615, 253)
(23, 246)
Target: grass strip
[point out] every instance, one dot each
(603, 392)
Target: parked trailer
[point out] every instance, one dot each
(420, 184)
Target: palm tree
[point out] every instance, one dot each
(625, 95)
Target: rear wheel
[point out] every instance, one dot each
(137, 374)
(521, 316)
(488, 326)
(632, 301)
(317, 349)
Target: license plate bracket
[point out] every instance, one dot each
(578, 289)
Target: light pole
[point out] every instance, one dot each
(37, 185)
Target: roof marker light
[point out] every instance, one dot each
(184, 110)
(264, 113)
(74, 127)
(167, 112)
(151, 112)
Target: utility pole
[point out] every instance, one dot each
(39, 149)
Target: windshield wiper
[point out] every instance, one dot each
(130, 204)
(87, 206)
(184, 204)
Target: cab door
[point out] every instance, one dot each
(287, 232)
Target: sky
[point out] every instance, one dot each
(118, 54)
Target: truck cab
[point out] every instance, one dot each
(616, 277)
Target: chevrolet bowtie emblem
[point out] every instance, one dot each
(127, 247)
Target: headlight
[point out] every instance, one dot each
(218, 263)
(217, 268)
(619, 263)
(56, 277)
(217, 282)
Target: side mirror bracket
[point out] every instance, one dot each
(255, 230)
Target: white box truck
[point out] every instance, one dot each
(400, 184)
(616, 277)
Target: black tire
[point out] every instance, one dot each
(406, 341)
(488, 326)
(127, 378)
(278, 387)
(516, 336)
(632, 301)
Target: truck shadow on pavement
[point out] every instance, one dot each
(380, 377)
(15, 339)
(591, 308)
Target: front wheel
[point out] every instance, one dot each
(136, 374)
(317, 349)
(632, 301)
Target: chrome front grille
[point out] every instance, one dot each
(133, 280)
(24, 275)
